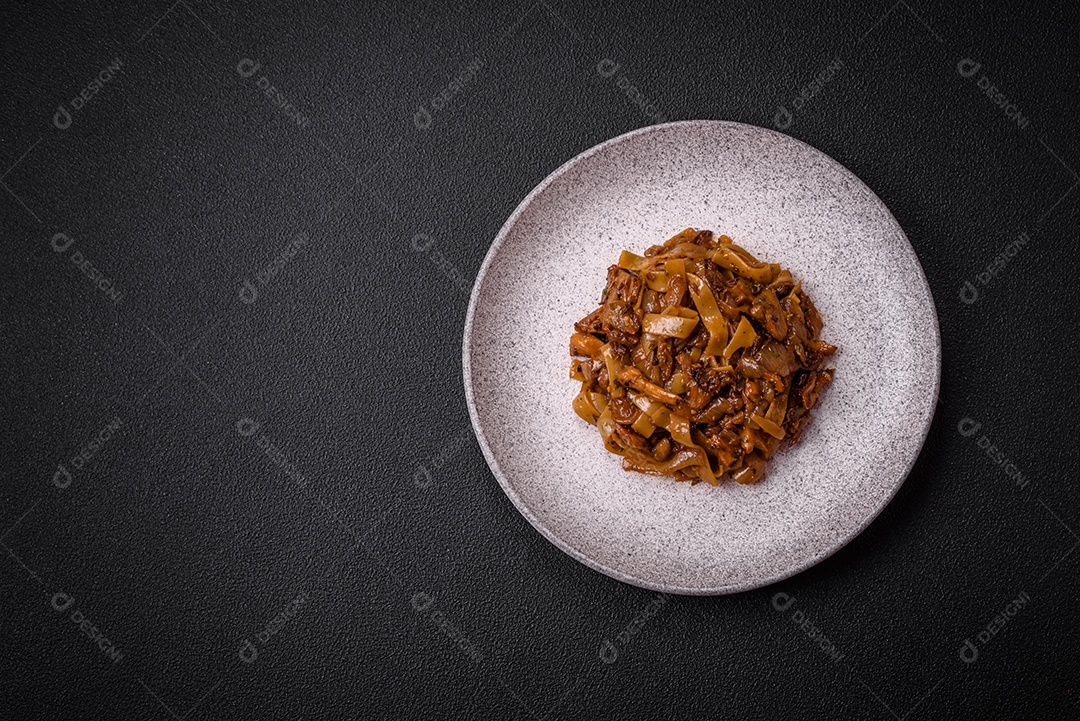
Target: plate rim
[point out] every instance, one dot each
(581, 557)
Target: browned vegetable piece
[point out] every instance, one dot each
(582, 344)
(676, 292)
(766, 310)
(753, 470)
(590, 323)
(618, 317)
(771, 357)
(811, 388)
(631, 438)
(623, 411)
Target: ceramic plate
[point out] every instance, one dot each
(786, 203)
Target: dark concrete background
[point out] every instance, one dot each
(244, 311)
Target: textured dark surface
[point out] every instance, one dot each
(360, 509)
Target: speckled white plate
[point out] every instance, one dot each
(786, 203)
